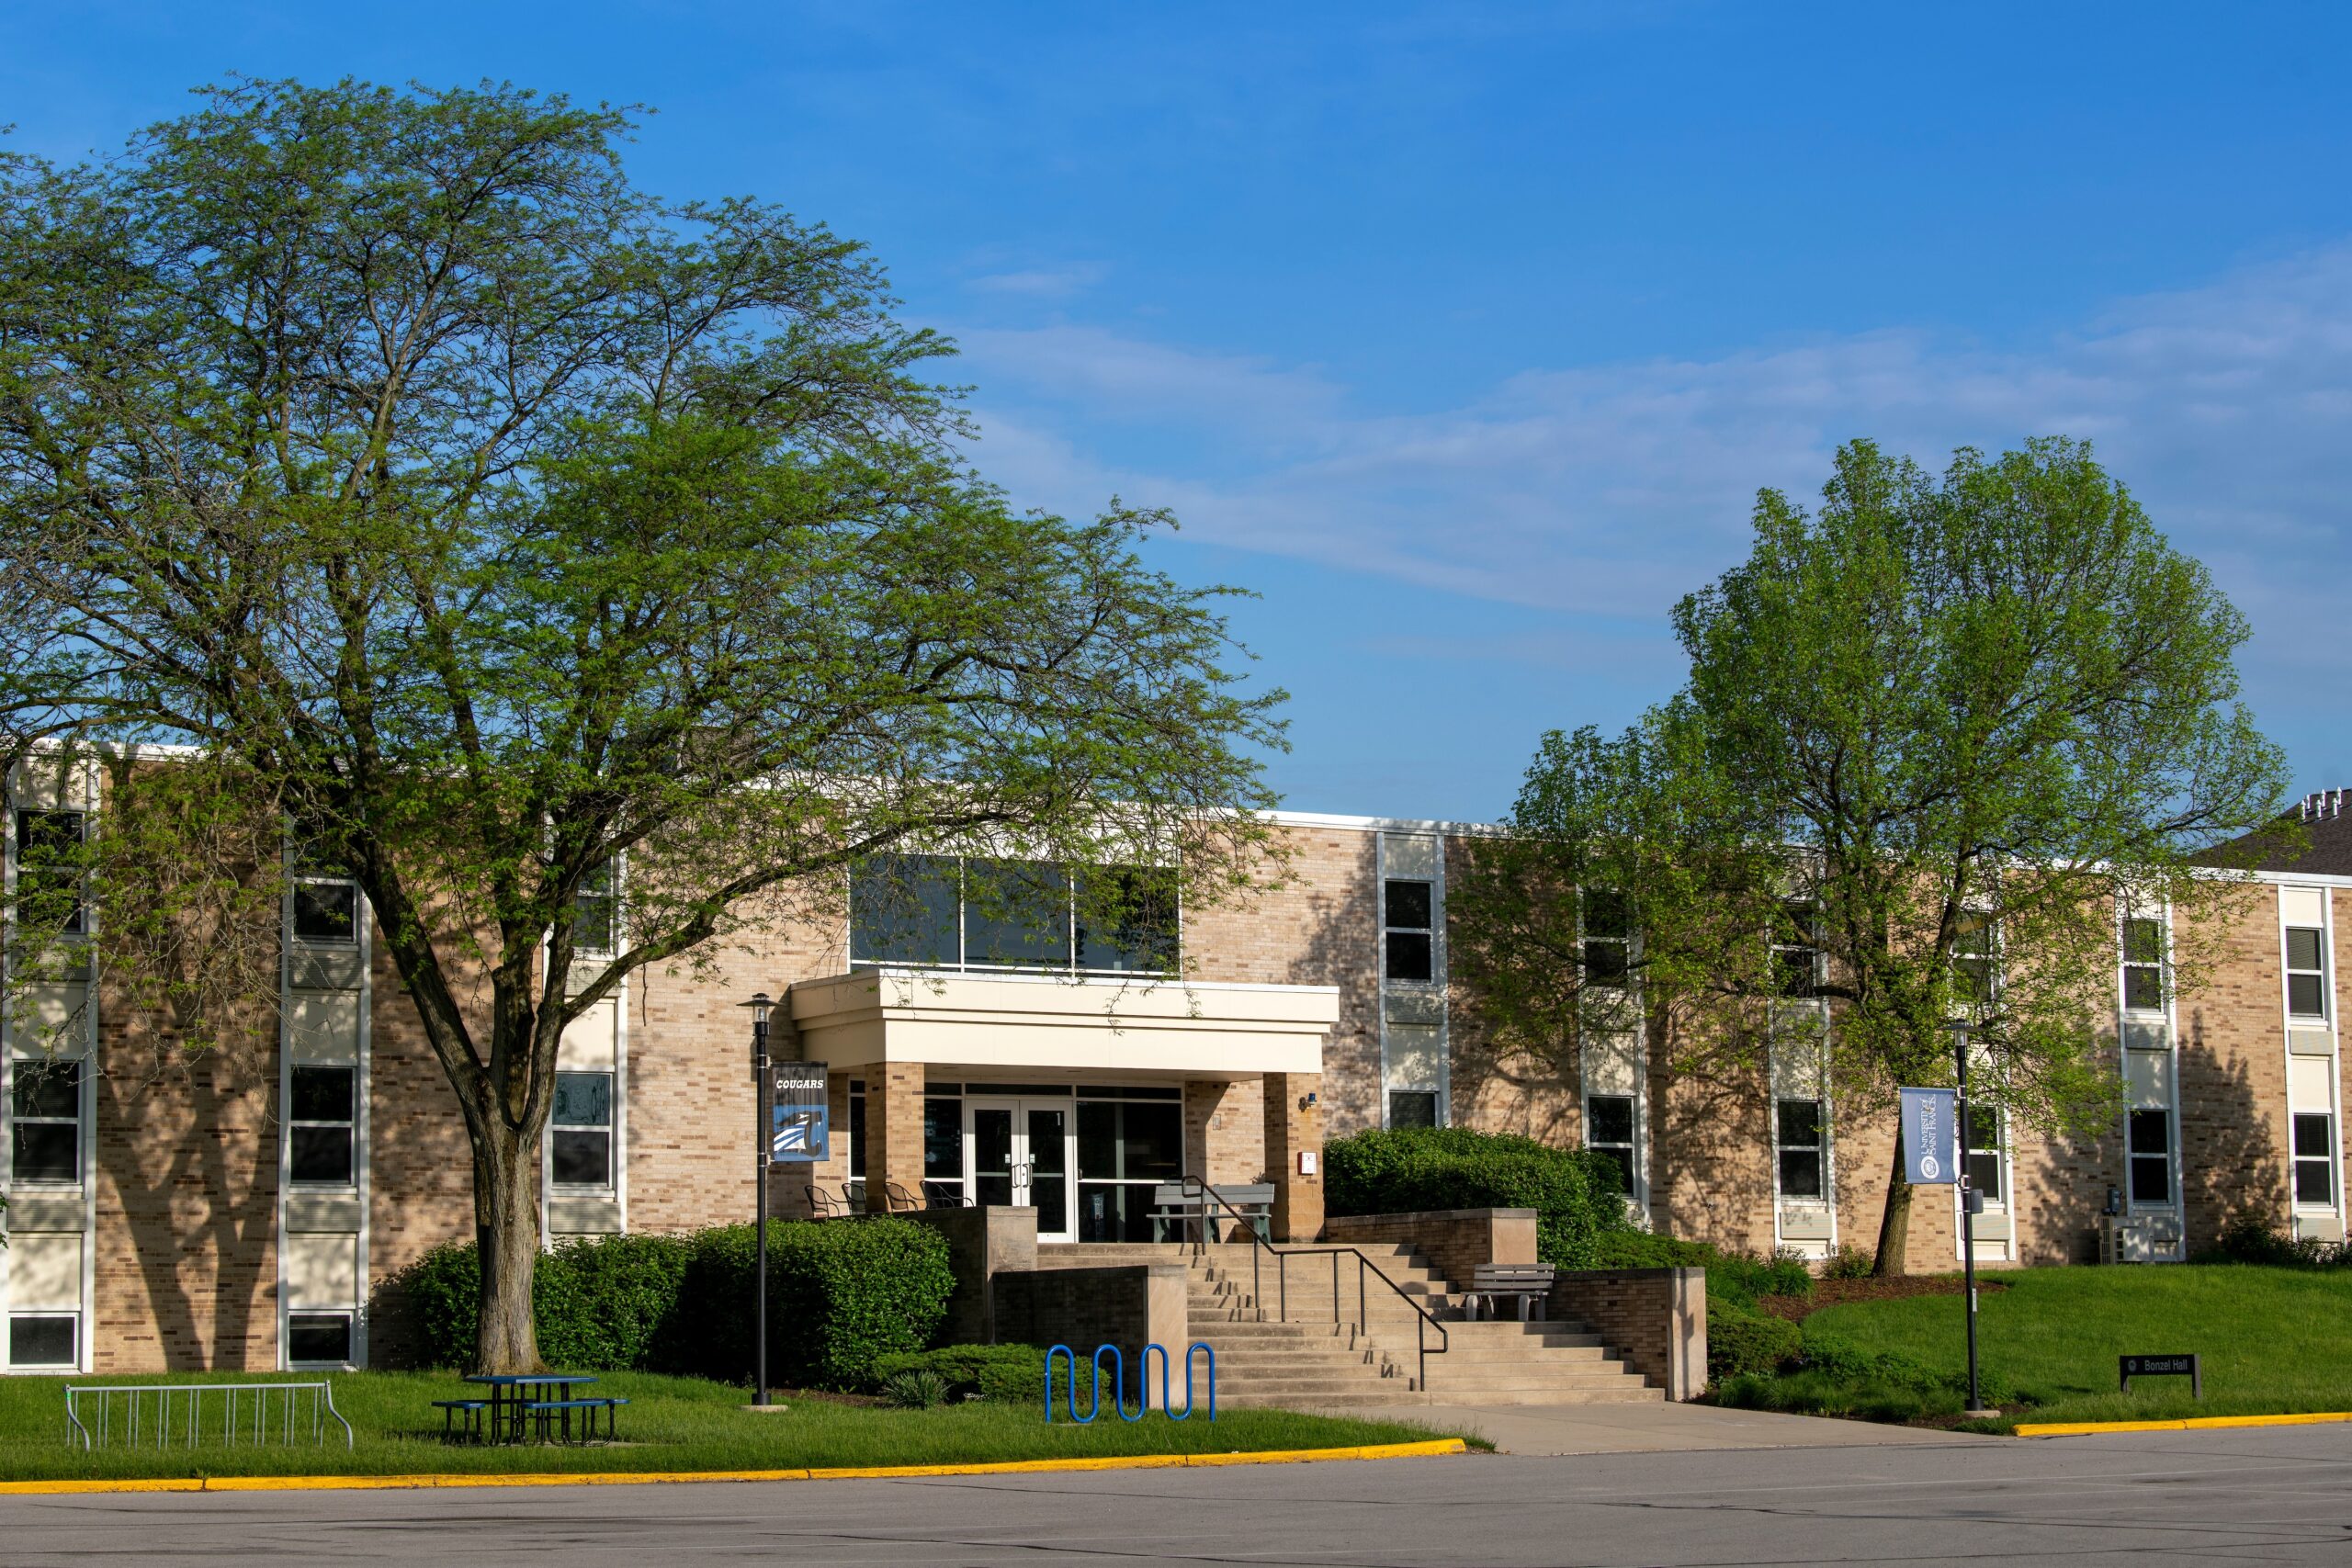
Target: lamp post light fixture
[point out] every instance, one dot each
(760, 1006)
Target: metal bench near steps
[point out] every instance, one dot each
(1490, 1283)
(1200, 1209)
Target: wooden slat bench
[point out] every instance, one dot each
(1528, 1283)
(1254, 1202)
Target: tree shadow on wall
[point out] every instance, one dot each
(2232, 1163)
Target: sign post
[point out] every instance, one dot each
(1935, 1154)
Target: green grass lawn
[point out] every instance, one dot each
(670, 1424)
(2273, 1341)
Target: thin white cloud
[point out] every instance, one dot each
(1040, 283)
(1609, 490)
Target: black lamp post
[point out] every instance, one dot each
(1969, 1200)
(758, 1004)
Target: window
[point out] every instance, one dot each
(2314, 1159)
(857, 1131)
(2148, 1138)
(1985, 1152)
(326, 901)
(318, 1337)
(1412, 1108)
(583, 1152)
(2306, 972)
(45, 1105)
(2143, 965)
(596, 910)
(43, 1339)
(958, 913)
(1972, 961)
(1127, 920)
(49, 873)
(1798, 1133)
(1795, 956)
(1125, 1149)
(906, 909)
(943, 1150)
(1405, 912)
(1607, 939)
(319, 1128)
(1609, 1130)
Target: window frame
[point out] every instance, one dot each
(2157, 968)
(2316, 974)
(1599, 937)
(19, 1119)
(1985, 963)
(1803, 917)
(557, 1131)
(606, 890)
(2321, 1160)
(1425, 933)
(1435, 1103)
(1627, 1150)
(1783, 1148)
(43, 1315)
(1994, 1154)
(348, 1125)
(77, 927)
(2135, 1156)
(294, 1322)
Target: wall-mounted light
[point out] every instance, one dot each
(1306, 1102)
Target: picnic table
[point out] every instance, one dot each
(520, 1401)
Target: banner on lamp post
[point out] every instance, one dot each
(799, 1116)
(1930, 1137)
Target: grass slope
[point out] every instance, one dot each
(672, 1424)
(2273, 1341)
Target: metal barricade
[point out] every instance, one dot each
(174, 1415)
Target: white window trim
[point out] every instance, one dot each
(2334, 1208)
(91, 915)
(1435, 985)
(358, 1191)
(2169, 1017)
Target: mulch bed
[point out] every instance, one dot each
(1838, 1293)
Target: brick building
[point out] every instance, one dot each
(206, 1218)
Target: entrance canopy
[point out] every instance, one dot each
(1043, 1022)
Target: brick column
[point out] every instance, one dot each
(1294, 1128)
(893, 1131)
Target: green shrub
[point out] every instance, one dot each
(1012, 1375)
(1742, 1343)
(1575, 1193)
(1731, 1277)
(840, 1296)
(2251, 1240)
(1850, 1263)
(918, 1388)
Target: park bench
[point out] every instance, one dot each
(1490, 1283)
(1203, 1208)
(461, 1419)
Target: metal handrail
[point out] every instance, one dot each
(1196, 1187)
(189, 1397)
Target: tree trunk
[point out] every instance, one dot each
(1894, 1223)
(507, 1226)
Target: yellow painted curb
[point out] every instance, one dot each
(2189, 1424)
(649, 1478)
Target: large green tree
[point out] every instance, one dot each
(1946, 732)
(497, 522)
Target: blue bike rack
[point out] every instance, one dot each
(1119, 1380)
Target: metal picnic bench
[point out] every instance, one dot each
(1253, 1202)
(1490, 1283)
(525, 1405)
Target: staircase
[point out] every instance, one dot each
(1301, 1353)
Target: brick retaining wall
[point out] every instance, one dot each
(1655, 1318)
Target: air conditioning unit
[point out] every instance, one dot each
(2139, 1238)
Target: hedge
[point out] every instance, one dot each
(841, 1296)
(1012, 1374)
(1742, 1342)
(1576, 1194)
(1731, 1276)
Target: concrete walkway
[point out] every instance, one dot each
(1551, 1429)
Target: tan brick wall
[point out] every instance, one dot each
(185, 1251)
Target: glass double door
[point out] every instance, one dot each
(1020, 1151)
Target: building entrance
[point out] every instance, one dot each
(1020, 1152)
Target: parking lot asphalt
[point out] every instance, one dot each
(2278, 1494)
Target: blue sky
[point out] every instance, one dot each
(1464, 335)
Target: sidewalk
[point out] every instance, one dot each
(1553, 1429)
